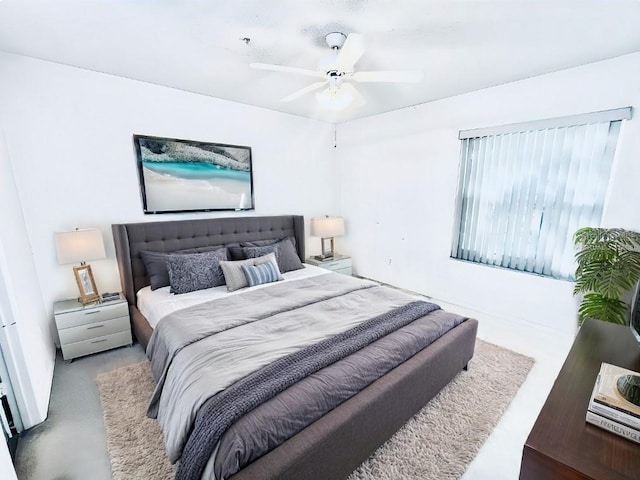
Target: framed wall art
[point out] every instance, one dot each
(190, 176)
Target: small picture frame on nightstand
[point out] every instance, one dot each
(86, 284)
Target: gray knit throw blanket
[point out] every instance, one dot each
(224, 408)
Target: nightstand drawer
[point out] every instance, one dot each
(344, 271)
(91, 315)
(337, 264)
(93, 330)
(94, 345)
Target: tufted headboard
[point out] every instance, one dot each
(131, 238)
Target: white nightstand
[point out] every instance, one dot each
(85, 329)
(338, 264)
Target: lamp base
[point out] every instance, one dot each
(327, 250)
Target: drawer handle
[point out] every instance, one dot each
(95, 326)
(99, 341)
(92, 312)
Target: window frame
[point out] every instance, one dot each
(465, 167)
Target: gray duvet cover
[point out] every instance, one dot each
(235, 337)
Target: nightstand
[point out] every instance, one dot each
(338, 264)
(86, 329)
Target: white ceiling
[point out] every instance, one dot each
(197, 46)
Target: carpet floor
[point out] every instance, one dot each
(437, 443)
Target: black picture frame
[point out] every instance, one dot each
(179, 176)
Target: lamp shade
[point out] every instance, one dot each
(327, 227)
(79, 246)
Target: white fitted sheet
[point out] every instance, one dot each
(156, 304)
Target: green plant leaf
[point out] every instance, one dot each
(603, 308)
(611, 281)
(608, 265)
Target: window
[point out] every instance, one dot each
(524, 190)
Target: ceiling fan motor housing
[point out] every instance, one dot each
(335, 40)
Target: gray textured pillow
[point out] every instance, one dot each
(285, 250)
(256, 252)
(235, 277)
(239, 252)
(195, 271)
(235, 252)
(156, 264)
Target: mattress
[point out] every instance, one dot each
(156, 304)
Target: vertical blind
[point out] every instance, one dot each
(523, 191)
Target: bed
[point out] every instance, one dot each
(334, 444)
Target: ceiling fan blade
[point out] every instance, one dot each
(350, 53)
(282, 68)
(389, 76)
(358, 100)
(302, 91)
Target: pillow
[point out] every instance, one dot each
(156, 264)
(259, 274)
(256, 252)
(285, 250)
(236, 252)
(234, 276)
(289, 259)
(262, 243)
(189, 272)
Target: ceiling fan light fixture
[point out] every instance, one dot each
(335, 98)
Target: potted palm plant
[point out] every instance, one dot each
(608, 267)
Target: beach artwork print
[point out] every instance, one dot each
(188, 176)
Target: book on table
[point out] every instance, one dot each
(613, 426)
(608, 409)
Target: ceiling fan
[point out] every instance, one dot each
(337, 71)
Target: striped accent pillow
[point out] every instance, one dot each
(259, 274)
(235, 278)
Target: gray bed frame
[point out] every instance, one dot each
(333, 446)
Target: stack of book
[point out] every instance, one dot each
(608, 409)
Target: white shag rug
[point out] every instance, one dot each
(437, 443)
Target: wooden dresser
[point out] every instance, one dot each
(561, 445)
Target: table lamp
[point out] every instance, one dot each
(327, 228)
(78, 246)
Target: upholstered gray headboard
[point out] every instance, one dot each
(132, 238)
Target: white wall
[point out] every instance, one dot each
(69, 135)
(26, 342)
(399, 174)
